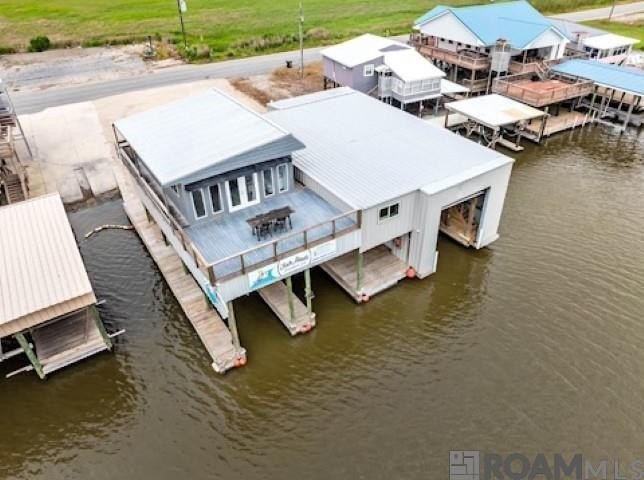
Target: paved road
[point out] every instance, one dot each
(599, 13)
(30, 102)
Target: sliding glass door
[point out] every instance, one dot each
(242, 192)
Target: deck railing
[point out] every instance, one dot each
(509, 87)
(284, 246)
(477, 85)
(255, 257)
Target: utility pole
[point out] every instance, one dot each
(182, 8)
(612, 9)
(301, 42)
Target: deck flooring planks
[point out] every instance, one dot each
(276, 297)
(381, 270)
(559, 123)
(209, 326)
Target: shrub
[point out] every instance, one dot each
(39, 44)
(196, 52)
(7, 50)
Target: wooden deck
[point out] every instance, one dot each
(67, 341)
(539, 93)
(381, 270)
(555, 124)
(211, 329)
(276, 297)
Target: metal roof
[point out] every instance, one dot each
(572, 29)
(627, 79)
(366, 152)
(494, 110)
(517, 22)
(404, 61)
(41, 271)
(188, 136)
(609, 40)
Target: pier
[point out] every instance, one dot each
(295, 315)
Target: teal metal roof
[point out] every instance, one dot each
(621, 78)
(517, 22)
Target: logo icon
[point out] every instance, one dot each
(464, 465)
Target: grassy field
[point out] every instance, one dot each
(633, 30)
(223, 28)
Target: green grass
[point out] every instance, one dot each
(633, 30)
(231, 28)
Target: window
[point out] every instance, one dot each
(215, 198)
(242, 192)
(282, 178)
(389, 211)
(198, 204)
(269, 187)
(368, 70)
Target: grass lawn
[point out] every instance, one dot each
(633, 30)
(230, 28)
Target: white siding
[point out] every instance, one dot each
(549, 38)
(375, 233)
(450, 27)
(423, 247)
(322, 192)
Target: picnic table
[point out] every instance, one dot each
(266, 223)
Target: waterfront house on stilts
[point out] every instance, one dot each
(336, 179)
(47, 305)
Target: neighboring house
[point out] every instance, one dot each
(388, 69)
(505, 37)
(594, 43)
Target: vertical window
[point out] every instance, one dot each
(251, 191)
(368, 70)
(235, 194)
(198, 204)
(269, 188)
(215, 198)
(282, 178)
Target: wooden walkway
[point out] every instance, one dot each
(555, 124)
(211, 329)
(381, 270)
(276, 297)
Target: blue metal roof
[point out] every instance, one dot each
(621, 78)
(517, 21)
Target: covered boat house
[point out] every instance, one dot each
(47, 305)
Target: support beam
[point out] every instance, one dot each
(359, 270)
(232, 326)
(308, 293)
(628, 116)
(31, 355)
(291, 304)
(101, 327)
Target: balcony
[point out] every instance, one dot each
(539, 93)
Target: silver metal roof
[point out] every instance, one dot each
(367, 152)
(41, 271)
(194, 134)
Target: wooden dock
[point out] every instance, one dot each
(555, 124)
(210, 327)
(289, 309)
(378, 270)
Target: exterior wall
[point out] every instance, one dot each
(375, 232)
(240, 286)
(337, 72)
(183, 199)
(364, 83)
(449, 27)
(319, 190)
(550, 38)
(423, 254)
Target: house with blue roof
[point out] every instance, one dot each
(467, 42)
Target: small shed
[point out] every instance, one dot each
(47, 304)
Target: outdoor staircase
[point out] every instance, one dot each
(13, 188)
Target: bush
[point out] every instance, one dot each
(7, 50)
(196, 52)
(39, 44)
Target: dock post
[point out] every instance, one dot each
(359, 270)
(101, 327)
(628, 116)
(291, 305)
(24, 344)
(308, 293)
(232, 326)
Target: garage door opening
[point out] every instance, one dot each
(460, 221)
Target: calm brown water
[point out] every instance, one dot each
(533, 345)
